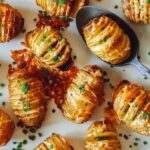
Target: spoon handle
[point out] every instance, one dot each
(145, 71)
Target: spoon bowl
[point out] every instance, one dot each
(88, 13)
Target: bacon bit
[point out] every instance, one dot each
(22, 58)
(110, 115)
(55, 22)
(25, 44)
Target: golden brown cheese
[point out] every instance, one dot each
(137, 10)
(107, 40)
(49, 46)
(7, 127)
(83, 95)
(56, 7)
(102, 136)
(132, 106)
(11, 22)
(55, 142)
(27, 97)
(62, 7)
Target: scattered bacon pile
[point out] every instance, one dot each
(55, 22)
(56, 81)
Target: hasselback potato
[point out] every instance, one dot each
(101, 135)
(7, 127)
(27, 97)
(11, 22)
(57, 7)
(132, 106)
(107, 40)
(62, 7)
(83, 95)
(137, 11)
(49, 46)
(55, 142)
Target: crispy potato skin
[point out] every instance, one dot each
(11, 22)
(137, 10)
(30, 107)
(7, 127)
(107, 40)
(49, 46)
(77, 5)
(101, 135)
(55, 8)
(83, 95)
(132, 106)
(56, 142)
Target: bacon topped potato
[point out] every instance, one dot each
(137, 10)
(107, 40)
(49, 46)
(27, 97)
(61, 7)
(132, 106)
(7, 127)
(11, 22)
(55, 142)
(101, 135)
(83, 94)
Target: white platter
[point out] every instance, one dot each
(55, 122)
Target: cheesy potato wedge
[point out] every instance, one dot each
(101, 135)
(107, 40)
(132, 106)
(27, 97)
(62, 7)
(7, 127)
(55, 142)
(49, 46)
(11, 22)
(137, 10)
(83, 95)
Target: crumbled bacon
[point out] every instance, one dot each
(55, 22)
(56, 81)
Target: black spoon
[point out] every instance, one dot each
(88, 13)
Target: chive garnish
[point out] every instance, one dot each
(53, 110)
(25, 87)
(82, 89)
(51, 146)
(25, 131)
(32, 137)
(62, 2)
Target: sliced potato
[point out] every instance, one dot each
(83, 95)
(101, 135)
(49, 46)
(107, 40)
(137, 10)
(7, 127)
(132, 106)
(11, 22)
(55, 142)
(27, 97)
(62, 7)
